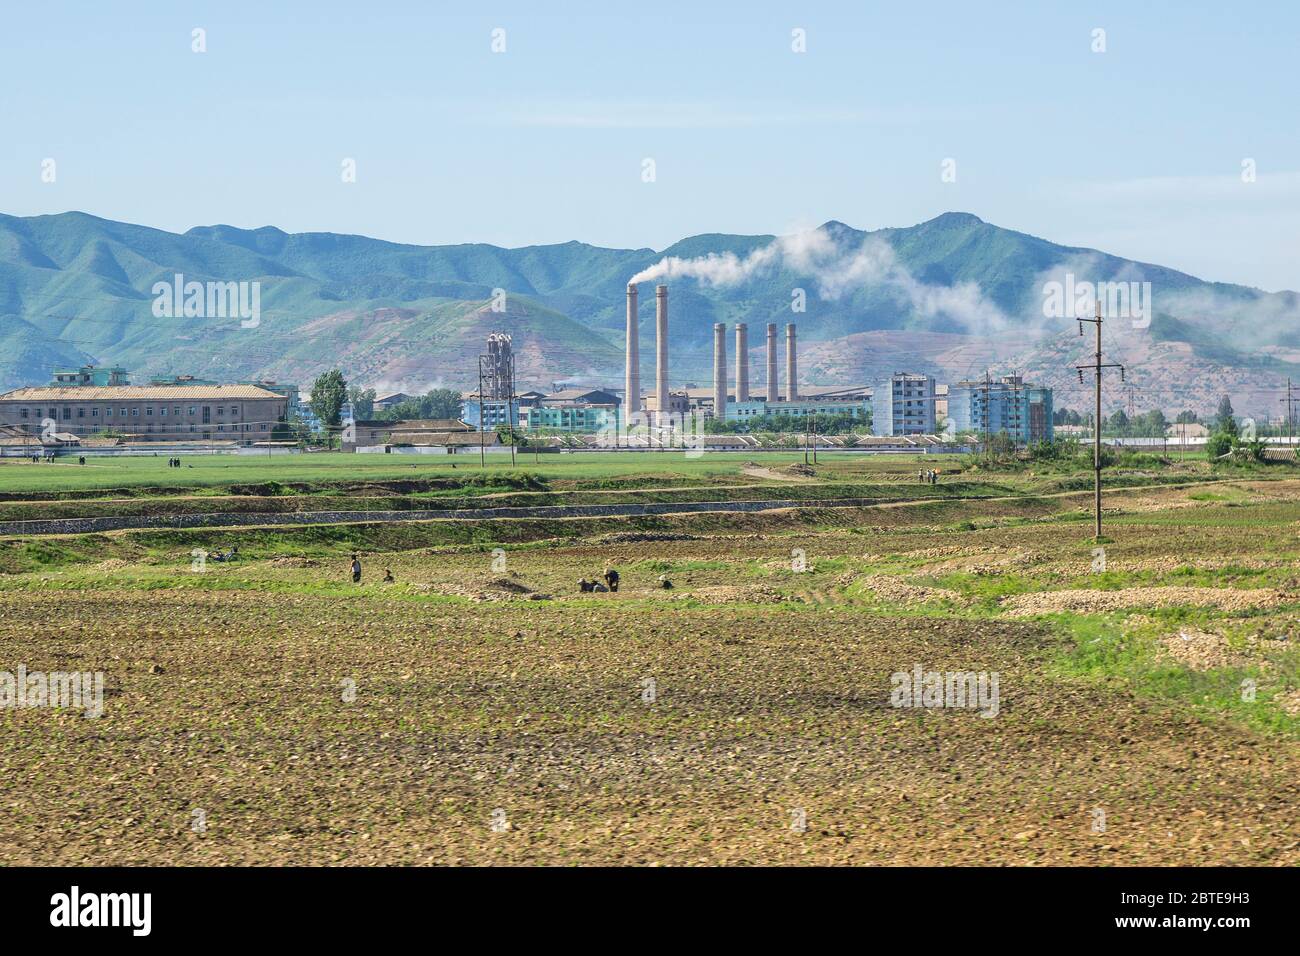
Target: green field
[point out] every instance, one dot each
(209, 471)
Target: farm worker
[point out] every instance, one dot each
(611, 578)
(388, 576)
(585, 586)
(356, 570)
(597, 586)
(665, 583)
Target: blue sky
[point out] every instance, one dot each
(1137, 150)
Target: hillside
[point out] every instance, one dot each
(950, 296)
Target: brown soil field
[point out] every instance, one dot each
(480, 710)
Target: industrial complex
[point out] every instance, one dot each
(99, 406)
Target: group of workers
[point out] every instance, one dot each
(610, 585)
(928, 477)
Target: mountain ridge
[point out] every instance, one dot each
(76, 288)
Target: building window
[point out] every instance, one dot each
(176, 410)
(67, 413)
(24, 413)
(191, 412)
(163, 411)
(135, 412)
(148, 411)
(94, 413)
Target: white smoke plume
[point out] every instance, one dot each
(836, 270)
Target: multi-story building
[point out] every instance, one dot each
(1008, 404)
(490, 415)
(571, 417)
(91, 375)
(903, 404)
(238, 413)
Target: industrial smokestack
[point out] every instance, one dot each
(720, 372)
(772, 383)
(661, 352)
(632, 373)
(791, 366)
(742, 362)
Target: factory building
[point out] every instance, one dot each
(1007, 404)
(802, 408)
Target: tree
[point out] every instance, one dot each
(437, 403)
(1186, 417)
(1223, 419)
(363, 402)
(1218, 445)
(1001, 445)
(1118, 423)
(328, 393)
(1153, 424)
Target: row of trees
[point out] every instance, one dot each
(330, 392)
(1068, 416)
(435, 403)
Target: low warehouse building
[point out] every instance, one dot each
(148, 413)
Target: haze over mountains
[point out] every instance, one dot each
(951, 297)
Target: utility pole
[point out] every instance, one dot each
(988, 451)
(1290, 407)
(482, 416)
(510, 406)
(1097, 366)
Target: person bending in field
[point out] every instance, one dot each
(356, 570)
(388, 576)
(611, 579)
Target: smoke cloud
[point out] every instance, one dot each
(837, 269)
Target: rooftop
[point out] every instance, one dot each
(128, 393)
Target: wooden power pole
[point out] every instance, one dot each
(1290, 410)
(1097, 366)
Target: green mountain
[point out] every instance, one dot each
(75, 289)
